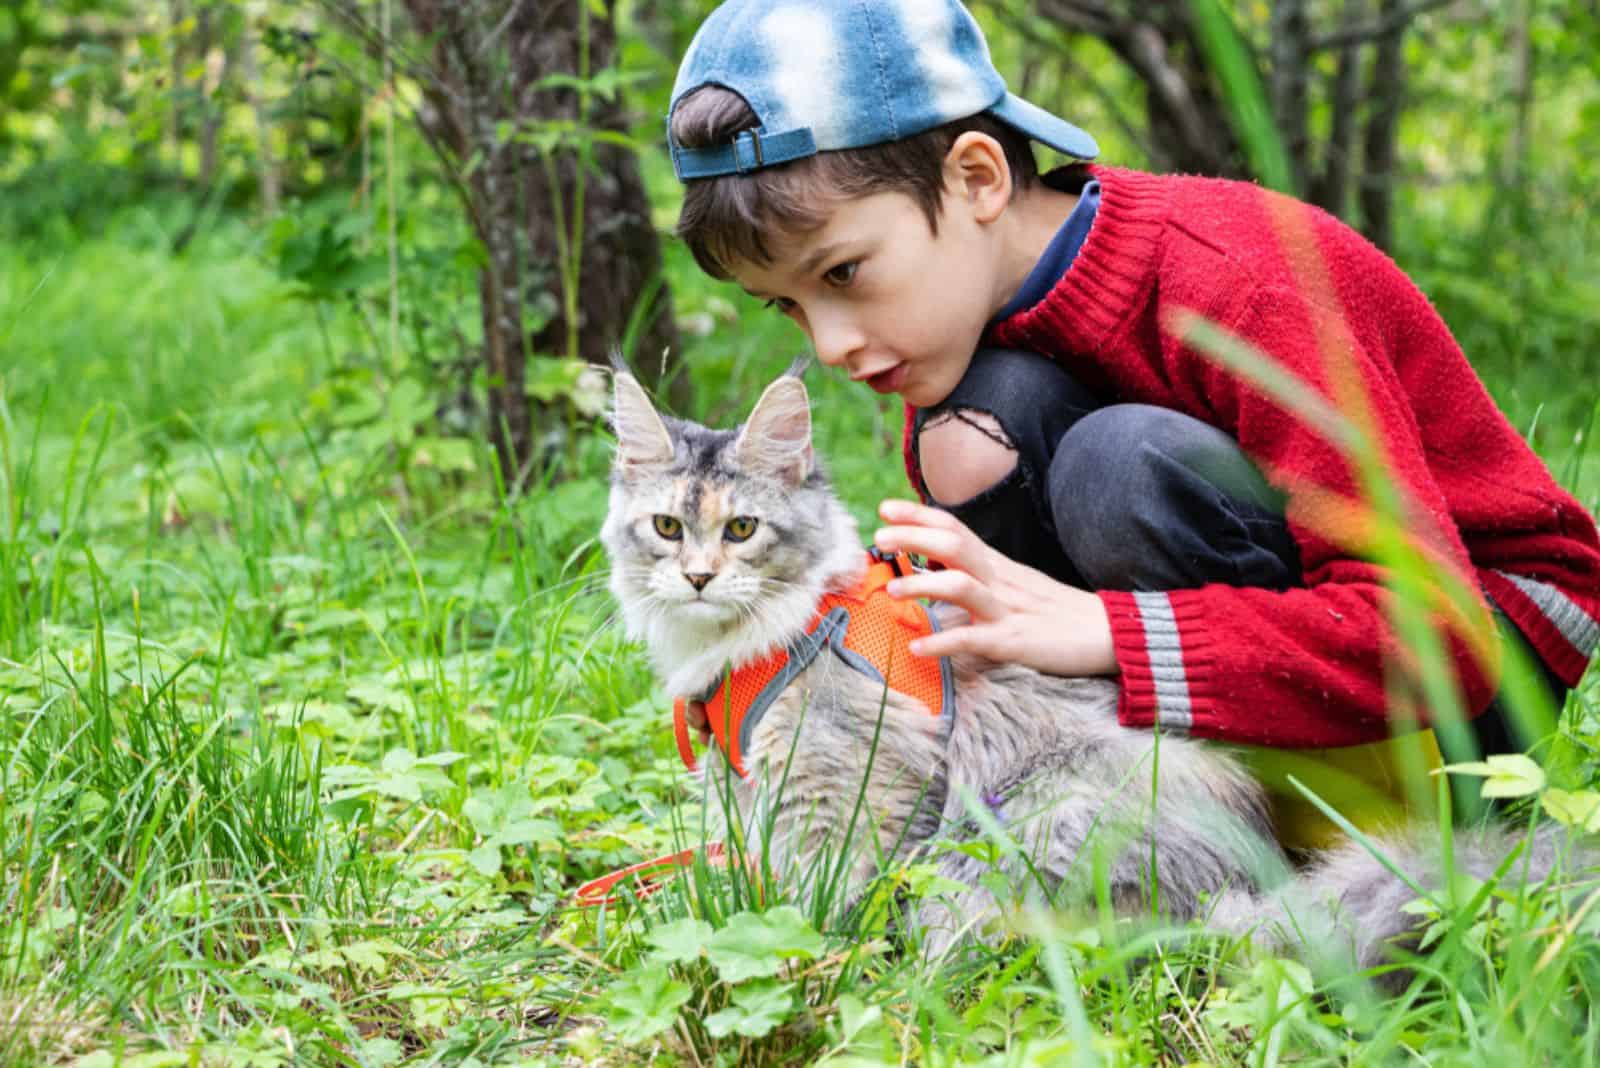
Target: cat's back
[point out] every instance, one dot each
(1014, 724)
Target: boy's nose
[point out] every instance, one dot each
(834, 340)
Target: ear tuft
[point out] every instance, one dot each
(777, 436)
(642, 437)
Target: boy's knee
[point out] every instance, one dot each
(1127, 451)
(1148, 498)
(962, 453)
(1100, 480)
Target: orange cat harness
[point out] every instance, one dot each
(869, 631)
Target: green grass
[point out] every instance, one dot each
(307, 735)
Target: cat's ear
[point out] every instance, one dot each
(777, 436)
(642, 437)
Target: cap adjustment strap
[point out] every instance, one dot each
(750, 151)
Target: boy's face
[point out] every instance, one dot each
(882, 297)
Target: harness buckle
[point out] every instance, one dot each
(900, 563)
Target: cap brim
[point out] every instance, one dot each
(1042, 126)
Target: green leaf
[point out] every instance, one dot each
(405, 787)
(399, 761)
(1509, 774)
(481, 812)
(753, 945)
(924, 880)
(645, 1003)
(523, 832)
(552, 378)
(1514, 775)
(445, 454)
(680, 940)
(379, 694)
(1468, 767)
(381, 1052)
(756, 1010)
(485, 860)
(1578, 808)
(855, 1016)
(367, 954)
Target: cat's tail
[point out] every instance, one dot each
(1349, 909)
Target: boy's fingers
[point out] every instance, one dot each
(956, 587)
(895, 510)
(945, 546)
(971, 638)
(917, 514)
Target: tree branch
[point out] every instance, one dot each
(1396, 19)
(1027, 27)
(1085, 16)
(1145, 50)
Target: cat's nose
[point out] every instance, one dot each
(698, 579)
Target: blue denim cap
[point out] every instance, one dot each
(830, 74)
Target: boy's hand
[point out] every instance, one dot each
(1018, 615)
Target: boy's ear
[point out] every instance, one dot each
(976, 171)
(642, 437)
(777, 436)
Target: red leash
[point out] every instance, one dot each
(649, 876)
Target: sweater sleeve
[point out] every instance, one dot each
(1304, 666)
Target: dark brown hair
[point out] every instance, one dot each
(726, 219)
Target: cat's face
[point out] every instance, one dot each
(710, 529)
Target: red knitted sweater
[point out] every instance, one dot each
(1305, 667)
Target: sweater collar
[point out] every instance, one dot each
(1111, 277)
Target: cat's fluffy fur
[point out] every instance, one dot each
(1043, 756)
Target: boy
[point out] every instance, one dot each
(1106, 499)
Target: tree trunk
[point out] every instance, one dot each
(266, 162)
(1514, 167)
(1189, 129)
(24, 32)
(561, 213)
(594, 192)
(1186, 119)
(1386, 93)
(207, 95)
(1288, 86)
(1331, 191)
(175, 113)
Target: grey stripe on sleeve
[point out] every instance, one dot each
(1575, 625)
(1173, 707)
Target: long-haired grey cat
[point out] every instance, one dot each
(1173, 826)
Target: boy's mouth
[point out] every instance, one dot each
(888, 380)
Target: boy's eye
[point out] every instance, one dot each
(739, 528)
(783, 304)
(668, 527)
(843, 274)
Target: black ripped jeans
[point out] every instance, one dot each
(1134, 497)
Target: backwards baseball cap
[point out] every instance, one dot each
(822, 75)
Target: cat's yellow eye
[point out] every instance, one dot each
(739, 528)
(668, 527)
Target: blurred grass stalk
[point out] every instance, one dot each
(1228, 57)
(1429, 600)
